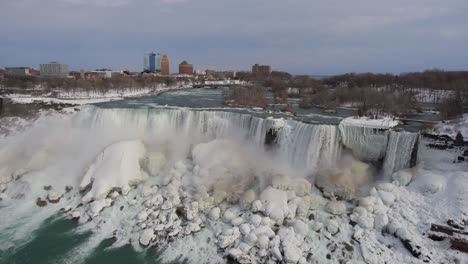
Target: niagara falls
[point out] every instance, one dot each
(233, 132)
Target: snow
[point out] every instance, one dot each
(384, 122)
(81, 97)
(118, 166)
(48, 100)
(451, 128)
(275, 204)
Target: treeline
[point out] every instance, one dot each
(430, 79)
(254, 96)
(398, 94)
(98, 84)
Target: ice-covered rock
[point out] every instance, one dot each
(300, 228)
(299, 186)
(255, 220)
(97, 206)
(117, 166)
(292, 253)
(333, 227)
(336, 207)
(263, 242)
(226, 240)
(142, 216)
(263, 231)
(244, 229)
(149, 190)
(257, 206)
(251, 239)
(146, 236)
(403, 177)
(54, 197)
(247, 199)
(214, 214)
(237, 221)
(275, 204)
(67, 209)
(362, 218)
(229, 215)
(388, 198)
(380, 220)
(76, 215)
(114, 195)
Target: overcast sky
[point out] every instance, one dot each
(299, 36)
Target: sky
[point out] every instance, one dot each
(316, 37)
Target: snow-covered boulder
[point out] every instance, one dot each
(214, 214)
(336, 207)
(403, 177)
(247, 199)
(388, 198)
(54, 197)
(275, 204)
(146, 236)
(117, 166)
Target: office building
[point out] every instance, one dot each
(185, 68)
(152, 62)
(54, 69)
(18, 71)
(165, 65)
(261, 69)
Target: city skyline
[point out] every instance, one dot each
(320, 37)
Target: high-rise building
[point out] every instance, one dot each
(54, 69)
(261, 69)
(185, 68)
(152, 62)
(164, 65)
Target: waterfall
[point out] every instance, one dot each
(367, 144)
(303, 146)
(400, 152)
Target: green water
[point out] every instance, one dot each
(55, 240)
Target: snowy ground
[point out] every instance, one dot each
(80, 97)
(451, 128)
(220, 200)
(385, 122)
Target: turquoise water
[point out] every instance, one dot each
(56, 239)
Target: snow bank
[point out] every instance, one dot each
(118, 166)
(451, 128)
(385, 122)
(49, 100)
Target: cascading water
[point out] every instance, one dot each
(302, 145)
(367, 143)
(400, 151)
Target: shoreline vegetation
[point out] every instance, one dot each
(373, 95)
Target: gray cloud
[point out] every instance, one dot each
(298, 35)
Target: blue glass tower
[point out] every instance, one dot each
(152, 62)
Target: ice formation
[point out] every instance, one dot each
(202, 181)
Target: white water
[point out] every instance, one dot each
(399, 150)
